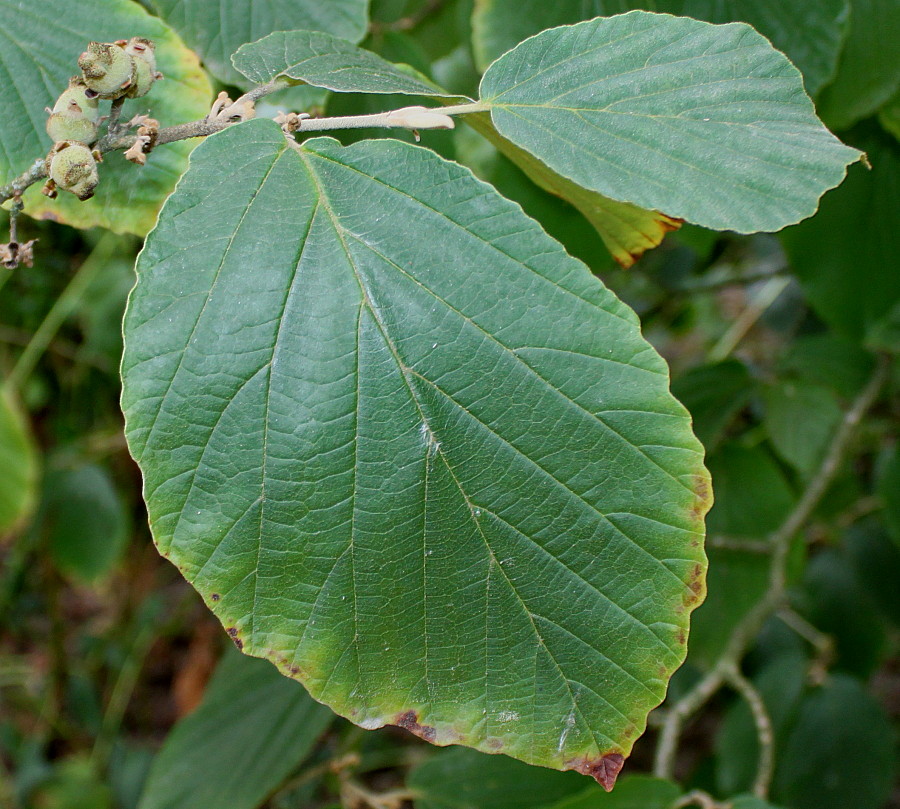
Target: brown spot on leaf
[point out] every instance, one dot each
(410, 721)
(680, 636)
(233, 634)
(494, 743)
(603, 770)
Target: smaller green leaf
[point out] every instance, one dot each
(326, 61)
(251, 730)
(18, 459)
(707, 123)
(465, 779)
(840, 752)
(86, 522)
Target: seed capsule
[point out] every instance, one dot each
(73, 167)
(143, 53)
(108, 70)
(75, 116)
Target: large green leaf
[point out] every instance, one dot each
(35, 68)
(703, 122)
(385, 422)
(869, 70)
(251, 730)
(326, 61)
(217, 28)
(18, 459)
(810, 32)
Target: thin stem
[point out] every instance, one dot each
(63, 307)
(115, 113)
(764, 733)
(774, 599)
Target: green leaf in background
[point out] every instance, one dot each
(19, 460)
(830, 360)
(627, 230)
(889, 490)
(49, 38)
(73, 783)
(869, 69)
(801, 419)
(842, 254)
(889, 115)
(714, 394)
(466, 779)
(634, 792)
(837, 602)
(840, 751)
(217, 28)
(326, 61)
(752, 500)
(330, 346)
(85, 522)
(876, 563)
(810, 32)
(252, 729)
(705, 123)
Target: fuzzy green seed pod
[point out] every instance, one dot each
(75, 116)
(72, 167)
(108, 71)
(142, 51)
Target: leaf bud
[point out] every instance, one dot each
(108, 70)
(73, 167)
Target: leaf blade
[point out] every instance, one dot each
(361, 410)
(326, 61)
(697, 132)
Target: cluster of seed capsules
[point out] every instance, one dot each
(110, 70)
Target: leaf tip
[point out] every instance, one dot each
(603, 770)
